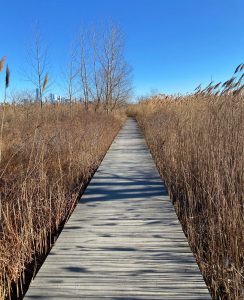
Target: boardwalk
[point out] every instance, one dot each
(123, 240)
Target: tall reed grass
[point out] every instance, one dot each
(198, 145)
(47, 159)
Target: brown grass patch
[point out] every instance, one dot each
(197, 143)
(47, 158)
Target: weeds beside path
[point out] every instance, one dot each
(197, 143)
(47, 157)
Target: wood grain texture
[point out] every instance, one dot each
(123, 240)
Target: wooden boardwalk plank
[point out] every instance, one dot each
(123, 240)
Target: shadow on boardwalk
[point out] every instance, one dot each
(123, 240)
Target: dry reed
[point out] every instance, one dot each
(47, 158)
(197, 143)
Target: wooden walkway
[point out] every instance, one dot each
(123, 240)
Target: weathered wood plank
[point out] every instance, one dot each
(123, 240)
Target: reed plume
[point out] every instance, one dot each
(7, 77)
(2, 61)
(45, 82)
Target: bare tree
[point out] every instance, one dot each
(115, 70)
(37, 61)
(104, 73)
(84, 66)
(22, 97)
(97, 78)
(70, 78)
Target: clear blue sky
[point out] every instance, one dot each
(172, 45)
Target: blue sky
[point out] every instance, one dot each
(172, 45)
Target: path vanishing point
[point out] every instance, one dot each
(123, 240)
